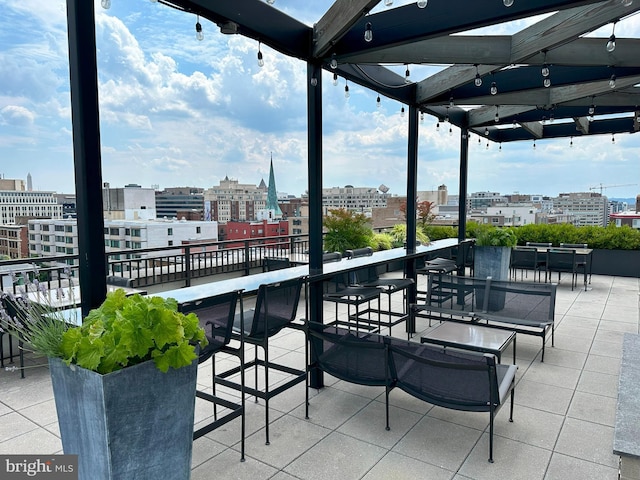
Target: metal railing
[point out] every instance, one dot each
(153, 266)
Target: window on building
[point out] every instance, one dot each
(135, 232)
(69, 251)
(114, 231)
(127, 231)
(59, 238)
(59, 228)
(114, 244)
(68, 228)
(198, 229)
(169, 231)
(68, 240)
(171, 243)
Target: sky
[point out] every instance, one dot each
(175, 111)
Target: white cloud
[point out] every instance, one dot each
(16, 115)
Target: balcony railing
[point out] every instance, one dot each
(153, 266)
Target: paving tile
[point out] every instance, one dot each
(553, 375)
(338, 456)
(438, 442)
(593, 408)
(549, 398)
(395, 466)
(228, 465)
(600, 364)
(512, 460)
(587, 441)
(599, 384)
(33, 442)
(530, 426)
(561, 465)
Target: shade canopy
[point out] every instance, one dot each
(547, 80)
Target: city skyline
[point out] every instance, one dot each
(178, 112)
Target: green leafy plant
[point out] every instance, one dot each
(496, 237)
(399, 235)
(346, 230)
(125, 331)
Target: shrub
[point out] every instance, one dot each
(381, 241)
(346, 230)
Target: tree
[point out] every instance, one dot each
(346, 230)
(424, 212)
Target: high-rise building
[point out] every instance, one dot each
(588, 208)
(233, 201)
(358, 199)
(171, 201)
(129, 203)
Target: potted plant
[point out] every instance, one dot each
(124, 383)
(492, 256)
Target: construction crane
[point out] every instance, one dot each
(602, 187)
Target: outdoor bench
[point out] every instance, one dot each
(450, 379)
(524, 307)
(626, 437)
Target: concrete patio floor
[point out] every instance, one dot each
(562, 429)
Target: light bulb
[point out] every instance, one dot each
(612, 81)
(545, 70)
(438, 127)
(421, 117)
(402, 112)
(486, 131)
(592, 110)
(421, 3)
(388, 3)
(407, 74)
(478, 80)
(335, 79)
(450, 131)
(368, 33)
(571, 143)
(261, 60)
(496, 118)
(199, 34)
(546, 82)
(500, 147)
(346, 91)
(106, 4)
(627, 3)
(153, 1)
(551, 118)
(446, 118)
(314, 82)
(534, 144)
(613, 139)
(514, 124)
(507, 3)
(334, 62)
(451, 104)
(378, 102)
(271, 2)
(494, 88)
(611, 44)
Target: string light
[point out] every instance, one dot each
(421, 117)
(612, 81)
(451, 104)
(402, 112)
(421, 3)
(199, 34)
(478, 79)
(407, 73)
(368, 33)
(534, 143)
(545, 72)
(500, 147)
(271, 2)
(486, 131)
(627, 3)
(613, 138)
(346, 89)
(497, 117)
(438, 126)
(378, 102)
(314, 82)
(335, 79)
(571, 143)
(507, 3)
(106, 4)
(494, 88)
(333, 63)
(260, 59)
(388, 3)
(611, 44)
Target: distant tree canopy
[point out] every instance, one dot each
(346, 230)
(424, 212)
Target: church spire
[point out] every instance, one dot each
(272, 194)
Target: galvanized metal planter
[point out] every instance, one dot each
(492, 262)
(135, 423)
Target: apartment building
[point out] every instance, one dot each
(172, 202)
(588, 208)
(14, 241)
(17, 201)
(234, 201)
(358, 199)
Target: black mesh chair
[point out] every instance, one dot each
(12, 308)
(389, 286)
(580, 259)
(216, 315)
(527, 258)
(348, 290)
(275, 309)
(564, 261)
(275, 263)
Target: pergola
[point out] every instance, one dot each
(545, 81)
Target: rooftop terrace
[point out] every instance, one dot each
(563, 420)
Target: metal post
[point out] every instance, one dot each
(412, 195)
(83, 72)
(314, 125)
(462, 189)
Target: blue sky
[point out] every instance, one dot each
(178, 112)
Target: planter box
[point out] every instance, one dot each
(491, 262)
(136, 423)
(619, 263)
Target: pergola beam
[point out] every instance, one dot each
(336, 22)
